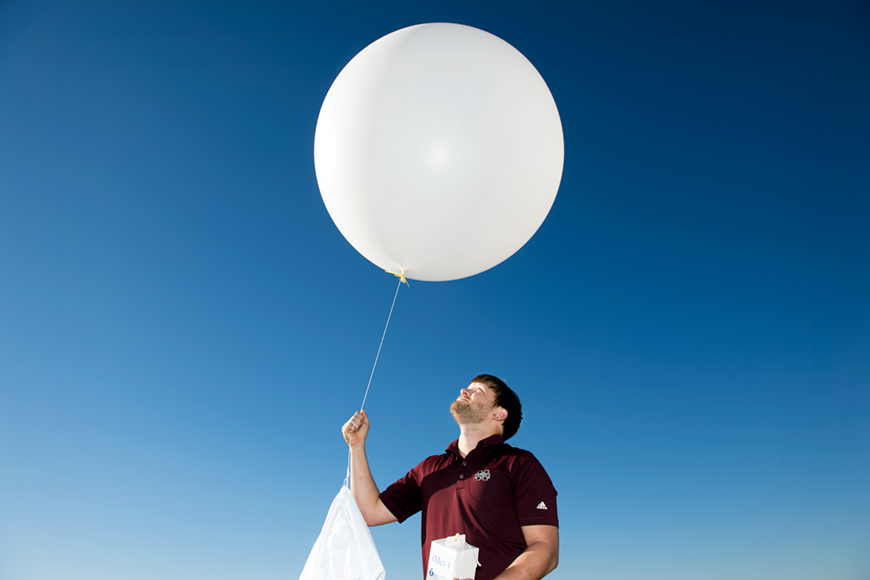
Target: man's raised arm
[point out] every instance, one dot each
(362, 485)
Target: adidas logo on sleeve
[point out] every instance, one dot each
(542, 506)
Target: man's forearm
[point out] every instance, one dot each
(362, 484)
(538, 560)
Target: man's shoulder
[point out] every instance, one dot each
(525, 469)
(518, 458)
(511, 451)
(434, 462)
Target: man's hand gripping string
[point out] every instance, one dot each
(356, 429)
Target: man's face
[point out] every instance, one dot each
(474, 404)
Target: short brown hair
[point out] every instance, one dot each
(507, 400)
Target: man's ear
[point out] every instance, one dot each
(499, 413)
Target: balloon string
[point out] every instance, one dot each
(401, 277)
(386, 326)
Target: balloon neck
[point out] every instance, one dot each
(400, 276)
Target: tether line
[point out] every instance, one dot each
(377, 356)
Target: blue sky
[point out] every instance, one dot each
(183, 330)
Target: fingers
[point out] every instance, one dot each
(356, 426)
(356, 421)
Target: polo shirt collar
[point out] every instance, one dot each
(490, 441)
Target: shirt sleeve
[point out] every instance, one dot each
(404, 498)
(534, 495)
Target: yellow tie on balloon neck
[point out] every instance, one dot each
(400, 276)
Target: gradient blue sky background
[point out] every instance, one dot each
(183, 330)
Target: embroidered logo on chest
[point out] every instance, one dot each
(482, 475)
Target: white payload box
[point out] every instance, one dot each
(451, 558)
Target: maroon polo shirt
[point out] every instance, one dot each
(488, 496)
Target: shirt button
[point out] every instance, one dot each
(463, 463)
(461, 476)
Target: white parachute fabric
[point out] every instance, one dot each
(345, 549)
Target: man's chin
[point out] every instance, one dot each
(464, 413)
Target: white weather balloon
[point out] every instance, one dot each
(438, 150)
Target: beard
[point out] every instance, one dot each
(466, 413)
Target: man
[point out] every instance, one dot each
(500, 497)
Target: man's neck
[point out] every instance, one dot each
(471, 435)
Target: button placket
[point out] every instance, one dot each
(464, 471)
